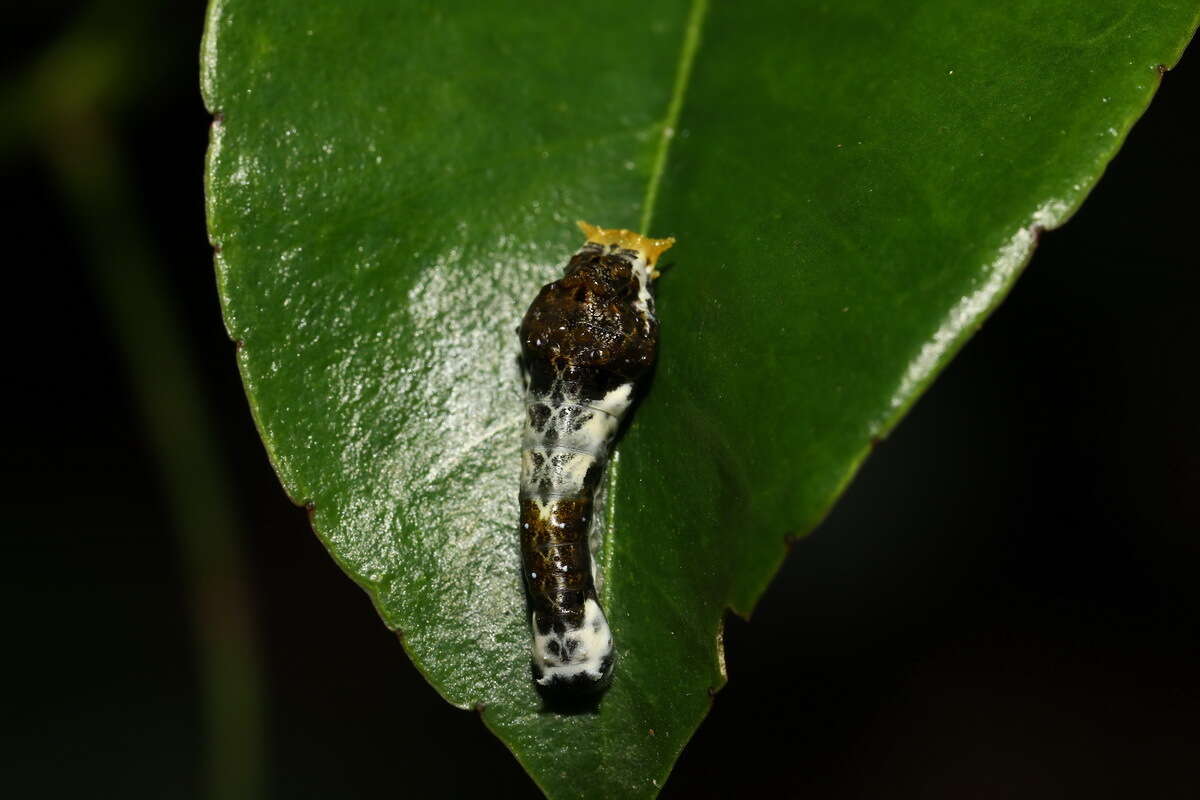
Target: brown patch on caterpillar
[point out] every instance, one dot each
(554, 549)
(594, 339)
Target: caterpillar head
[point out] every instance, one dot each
(573, 660)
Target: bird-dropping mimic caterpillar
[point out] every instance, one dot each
(586, 340)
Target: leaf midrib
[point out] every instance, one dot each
(687, 56)
(683, 73)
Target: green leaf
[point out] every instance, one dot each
(853, 187)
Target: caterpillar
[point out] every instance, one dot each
(585, 341)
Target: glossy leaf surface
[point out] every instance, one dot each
(853, 186)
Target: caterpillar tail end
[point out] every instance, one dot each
(572, 660)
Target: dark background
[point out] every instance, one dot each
(1005, 603)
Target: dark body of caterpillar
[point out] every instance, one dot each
(585, 341)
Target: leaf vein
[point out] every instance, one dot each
(687, 56)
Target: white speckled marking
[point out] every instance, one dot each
(643, 304)
(565, 459)
(579, 650)
(616, 401)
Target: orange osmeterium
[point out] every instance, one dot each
(650, 248)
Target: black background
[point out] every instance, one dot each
(1005, 603)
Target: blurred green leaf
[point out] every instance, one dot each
(853, 186)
